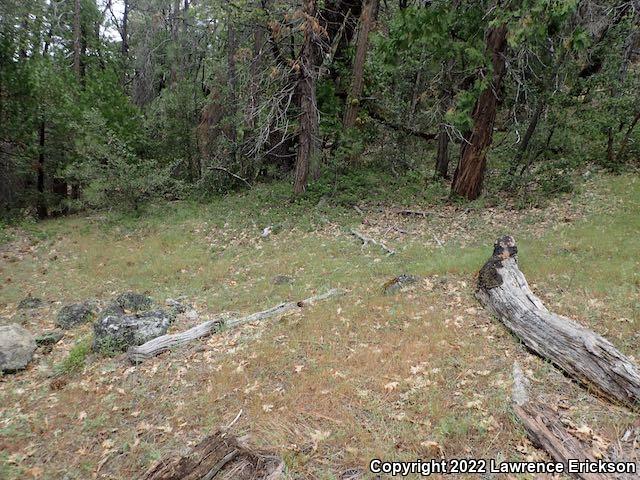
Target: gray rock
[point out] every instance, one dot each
(73, 315)
(282, 280)
(134, 302)
(30, 302)
(111, 309)
(49, 338)
(115, 333)
(16, 347)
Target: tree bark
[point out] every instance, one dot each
(232, 83)
(469, 175)
(578, 351)
(357, 79)
(42, 202)
(77, 33)
(124, 46)
(625, 140)
(442, 157)
(218, 456)
(306, 93)
(254, 73)
(546, 429)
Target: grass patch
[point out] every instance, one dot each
(75, 360)
(361, 376)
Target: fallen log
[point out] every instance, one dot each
(546, 430)
(413, 213)
(367, 240)
(218, 456)
(581, 353)
(171, 341)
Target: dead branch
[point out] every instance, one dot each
(412, 213)
(171, 341)
(367, 240)
(230, 173)
(546, 430)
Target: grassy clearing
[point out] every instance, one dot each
(421, 373)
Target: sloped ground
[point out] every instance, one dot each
(418, 374)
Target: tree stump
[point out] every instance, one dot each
(581, 353)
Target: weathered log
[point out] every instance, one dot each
(218, 456)
(546, 430)
(578, 351)
(171, 341)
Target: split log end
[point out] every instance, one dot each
(504, 247)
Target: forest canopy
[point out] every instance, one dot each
(111, 103)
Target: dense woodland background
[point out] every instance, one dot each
(114, 104)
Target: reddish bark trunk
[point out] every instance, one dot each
(469, 175)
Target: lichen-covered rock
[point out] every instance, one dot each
(49, 338)
(134, 302)
(114, 333)
(73, 315)
(16, 347)
(30, 302)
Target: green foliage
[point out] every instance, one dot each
(110, 347)
(110, 174)
(75, 360)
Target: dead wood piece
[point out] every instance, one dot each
(546, 430)
(218, 456)
(367, 240)
(171, 341)
(578, 351)
(412, 213)
(230, 173)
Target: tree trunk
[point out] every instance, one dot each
(442, 157)
(124, 46)
(77, 34)
(175, 31)
(610, 139)
(41, 203)
(627, 135)
(254, 73)
(469, 175)
(232, 83)
(353, 100)
(528, 135)
(306, 93)
(578, 351)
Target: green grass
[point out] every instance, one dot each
(75, 359)
(585, 267)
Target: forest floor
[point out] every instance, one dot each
(420, 373)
